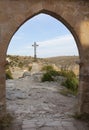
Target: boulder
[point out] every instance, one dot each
(26, 74)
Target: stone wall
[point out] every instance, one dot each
(73, 13)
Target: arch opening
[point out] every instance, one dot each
(38, 94)
(76, 20)
(47, 36)
(54, 37)
(57, 17)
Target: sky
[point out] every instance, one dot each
(52, 36)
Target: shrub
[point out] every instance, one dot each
(47, 77)
(29, 68)
(47, 68)
(67, 74)
(54, 73)
(71, 82)
(20, 65)
(50, 72)
(67, 92)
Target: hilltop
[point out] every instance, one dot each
(19, 64)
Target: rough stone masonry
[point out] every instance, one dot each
(73, 13)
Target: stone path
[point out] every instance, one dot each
(40, 106)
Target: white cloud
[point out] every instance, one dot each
(57, 40)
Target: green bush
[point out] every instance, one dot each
(54, 73)
(47, 68)
(50, 72)
(72, 84)
(71, 81)
(67, 74)
(20, 65)
(47, 77)
(8, 74)
(29, 68)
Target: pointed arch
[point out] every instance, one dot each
(56, 16)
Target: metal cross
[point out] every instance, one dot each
(35, 46)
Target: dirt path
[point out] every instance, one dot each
(40, 106)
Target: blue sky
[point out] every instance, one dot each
(53, 38)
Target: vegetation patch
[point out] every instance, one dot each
(71, 82)
(67, 92)
(47, 68)
(8, 74)
(49, 74)
(20, 65)
(67, 74)
(54, 73)
(47, 77)
(29, 68)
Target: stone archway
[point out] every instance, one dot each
(74, 14)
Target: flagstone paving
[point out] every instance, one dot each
(40, 106)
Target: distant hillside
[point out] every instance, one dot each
(18, 64)
(63, 61)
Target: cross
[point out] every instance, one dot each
(35, 45)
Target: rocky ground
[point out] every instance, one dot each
(40, 106)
